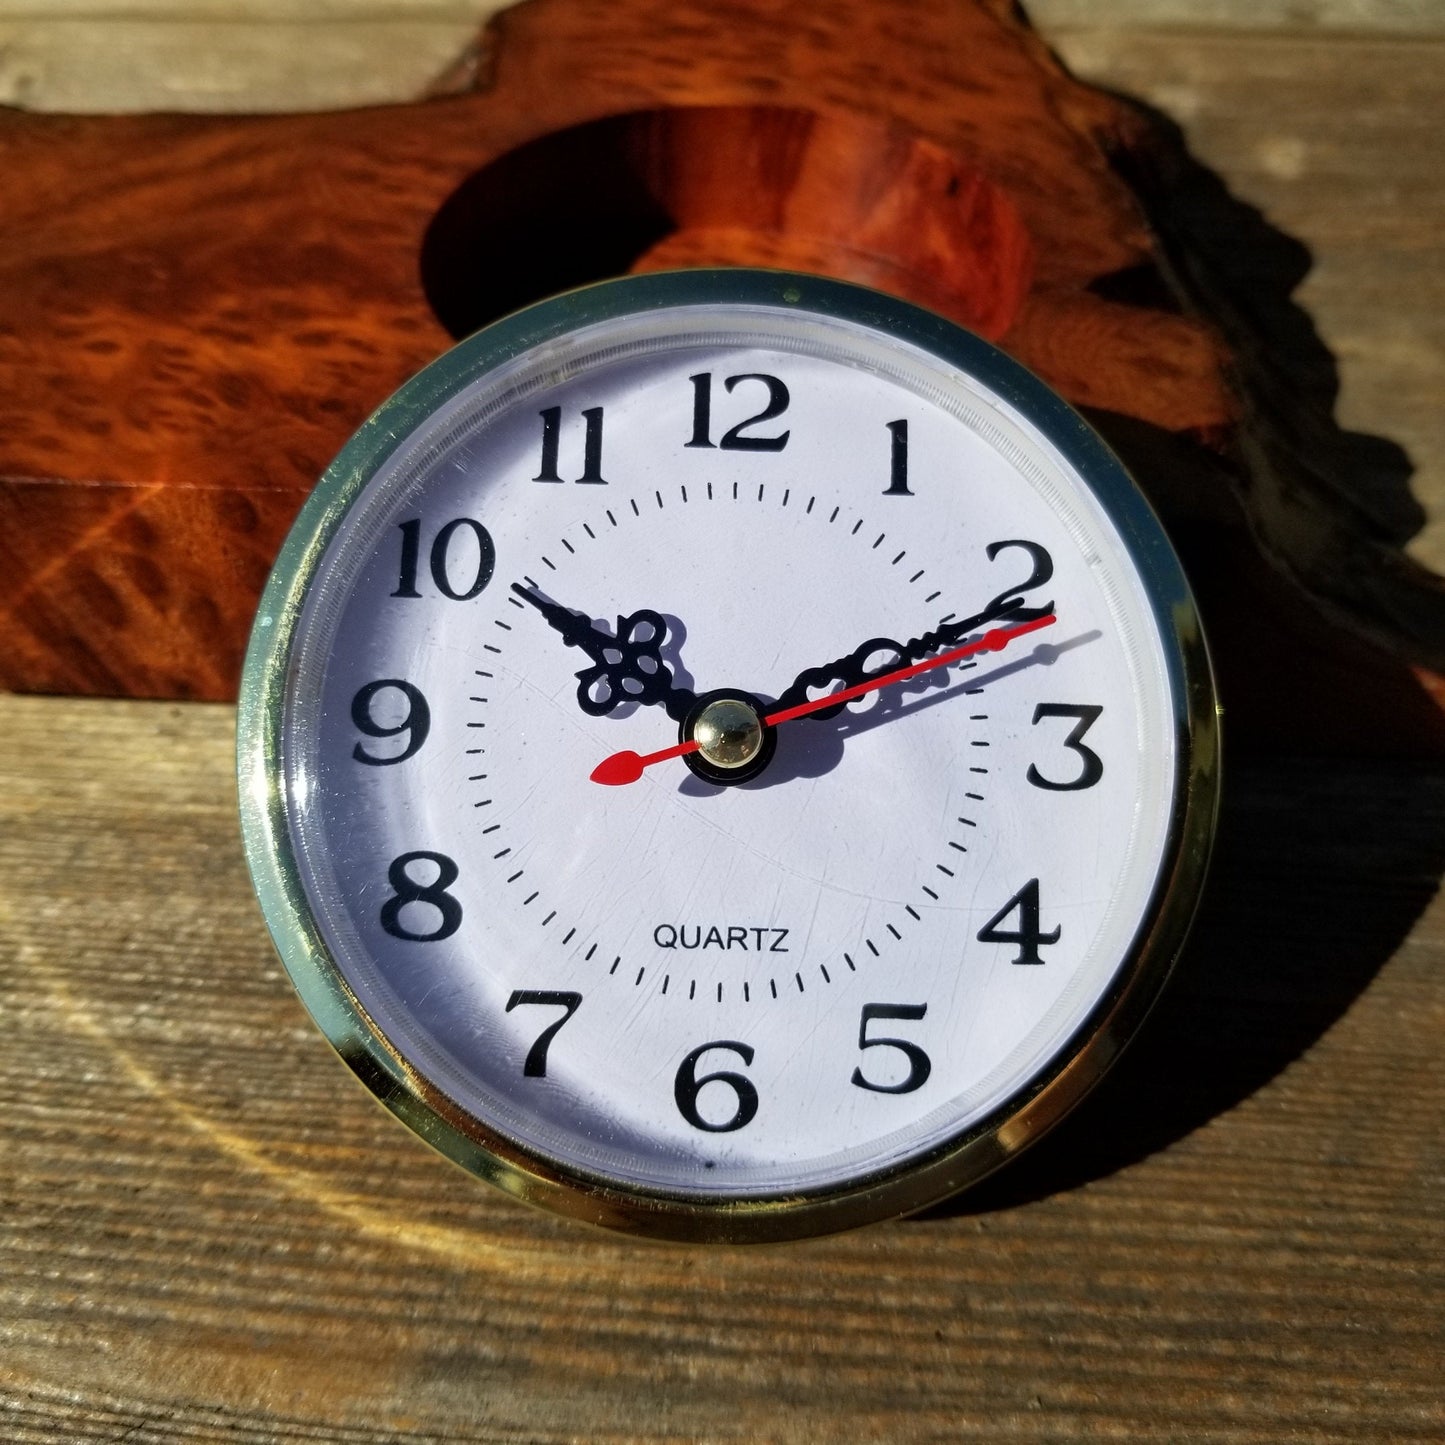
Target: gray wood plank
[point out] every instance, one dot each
(211, 1233)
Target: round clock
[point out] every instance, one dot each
(727, 755)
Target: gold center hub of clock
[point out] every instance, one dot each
(728, 733)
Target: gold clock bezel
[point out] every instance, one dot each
(469, 1141)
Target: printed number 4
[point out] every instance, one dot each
(1028, 935)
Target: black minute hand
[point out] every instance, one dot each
(627, 667)
(850, 671)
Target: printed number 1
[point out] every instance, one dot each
(898, 467)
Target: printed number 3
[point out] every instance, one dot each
(1085, 715)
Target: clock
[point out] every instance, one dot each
(727, 755)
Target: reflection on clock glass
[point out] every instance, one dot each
(913, 901)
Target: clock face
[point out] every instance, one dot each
(564, 836)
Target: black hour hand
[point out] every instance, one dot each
(626, 667)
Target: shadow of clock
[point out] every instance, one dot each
(1332, 826)
(1320, 870)
(813, 747)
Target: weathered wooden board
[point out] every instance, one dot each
(210, 1232)
(1334, 139)
(102, 56)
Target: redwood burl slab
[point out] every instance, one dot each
(196, 312)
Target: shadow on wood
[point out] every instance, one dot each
(1294, 925)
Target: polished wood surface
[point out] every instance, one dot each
(195, 312)
(211, 1233)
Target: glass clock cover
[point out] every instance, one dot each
(818, 962)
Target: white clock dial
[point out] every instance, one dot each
(821, 958)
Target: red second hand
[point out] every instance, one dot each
(628, 766)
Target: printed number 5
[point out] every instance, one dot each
(919, 1064)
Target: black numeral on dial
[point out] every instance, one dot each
(440, 559)
(591, 447)
(1091, 765)
(919, 1064)
(736, 439)
(688, 1086)
(416, 723)
(433, 894)
(536, 1064)
(1028, 935)
(898, 462)
(1012, 599)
